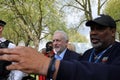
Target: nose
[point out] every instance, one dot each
(93, 31)
(54, 42)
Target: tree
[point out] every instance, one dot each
(30, 19)
(75, 36)
(85, 8)
(113, 9)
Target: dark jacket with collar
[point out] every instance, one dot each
(108, 69)
(71, 55)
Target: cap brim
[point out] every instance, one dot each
(90, 22)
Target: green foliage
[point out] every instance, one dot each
(27, 19)
(113, 9)
(33, 20)
(75, 36)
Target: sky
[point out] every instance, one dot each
(72, 18)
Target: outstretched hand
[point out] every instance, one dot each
(25, 59)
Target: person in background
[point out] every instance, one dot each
(49, 49)
(102, 62)
(60, 44)
(4, 43)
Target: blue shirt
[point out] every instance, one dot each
(60, 56)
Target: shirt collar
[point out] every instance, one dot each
(60, 57)
(2, 39)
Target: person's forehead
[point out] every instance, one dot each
(58, 36)
(98, 26)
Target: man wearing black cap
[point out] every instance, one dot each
(5, 74)
(102, 62)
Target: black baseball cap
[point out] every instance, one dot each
(2, 23)
(103, 20)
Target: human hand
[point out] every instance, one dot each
(26, 59)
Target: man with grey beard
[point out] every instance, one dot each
(102, 62)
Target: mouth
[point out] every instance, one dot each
(94, 40)
(56, 48)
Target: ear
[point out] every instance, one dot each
(0, 28)
(113, 31)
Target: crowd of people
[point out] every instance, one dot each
(101, 62)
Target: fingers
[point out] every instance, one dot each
(14, 66)
(13, 58)
(22, 57)
(11, 50)
(7, 51)
(18, 66)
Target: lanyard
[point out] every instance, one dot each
(98, 56)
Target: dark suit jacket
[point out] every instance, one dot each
(71, 55)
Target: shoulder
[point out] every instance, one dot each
(87, 52)
(116, 44)
(115, 47)
(10, 44)
(72, 53)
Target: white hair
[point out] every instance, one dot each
(65, 36)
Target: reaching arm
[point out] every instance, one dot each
(27, 60)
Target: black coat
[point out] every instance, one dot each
(71, 55)
(108, 67)
(4, 73)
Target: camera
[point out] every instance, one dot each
(3, 45)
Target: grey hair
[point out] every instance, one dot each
(65, 36)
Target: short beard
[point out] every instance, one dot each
(97, 45)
